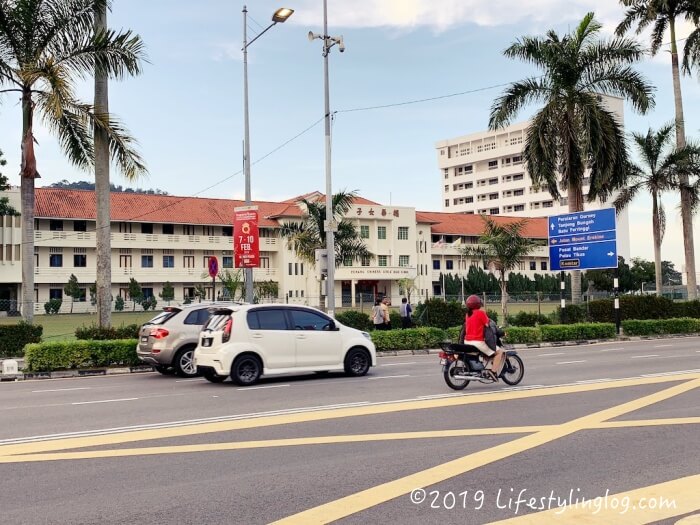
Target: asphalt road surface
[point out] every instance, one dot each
(604, 433)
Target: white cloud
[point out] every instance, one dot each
(444, 14)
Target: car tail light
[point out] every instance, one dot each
(159, 333)
(227, 331)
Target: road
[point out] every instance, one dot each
(618, 419)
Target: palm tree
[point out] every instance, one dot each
(574, 131)
(309, 235)
(662, 15)
(662, 168)
(45, 45)
(502, 247)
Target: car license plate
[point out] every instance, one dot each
(144, 339)
(443, 361)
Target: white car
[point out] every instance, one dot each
(249, 341)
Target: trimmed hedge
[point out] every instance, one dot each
(524, 334)
(63, 355)
(14, 337)
(639, 307)
(98, 333)
(355, 319)
(685, 325)
(409, 339)
(574, 332)
(528, 319)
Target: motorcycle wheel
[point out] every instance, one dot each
(513, 370)
(456, 367)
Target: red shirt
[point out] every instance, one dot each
(475, 325)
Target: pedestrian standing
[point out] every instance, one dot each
(405, 310)
(378, 315)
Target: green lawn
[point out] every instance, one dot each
(62, 326)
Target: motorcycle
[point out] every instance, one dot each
(464, 363)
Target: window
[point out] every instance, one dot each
(494, 211)
(291, 265)
(365, 261)
(227, 262)
(447, 187)
(304, 320)
(124, 227)
(268, 319)
(519, 207)
(56, 225)
(381, 232)
(449, 265)
(264, 262)
(198, 317)
(147, 292)
(436, 264)
(168, 261)
(543, 265)
(547, 204)
(56, 260)
(79, 260)
(493, 196)
(83, 295)
(493, 181)
(124, 261)
(519, 176)
(403, 233)
(403, 260)
(79, 226)
(364, 232)
(146, 227)
(296, 268)
(146, 261)
(347, 261)
(533, 265)
(227, 231)
(187, 229)
(208, 230)
(381, 260)
(518, 159)
(188, 261)
(468, 169)
(447, 203)
(168, 229)
(56, 293)
(493, 164)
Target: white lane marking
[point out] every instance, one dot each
(611, 349)
(584, 381)
(60, 390)
(186, 380)
(662, 346)
(105, 401)
(389, 377)
(570, 362)
(261, 387)
(643, 356)
(545, 355)
(397, 364)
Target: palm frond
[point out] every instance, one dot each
(122, 146)
(517, 96)
(691, 52)
(636, 14)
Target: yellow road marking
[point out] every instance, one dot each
(371, 497)
(689, 520)
(242, 445)
(321, 415)
(649, 422)
(669, 499)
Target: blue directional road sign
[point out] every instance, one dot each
(584, 240)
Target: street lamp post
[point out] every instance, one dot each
(330, 226)
(278, 17)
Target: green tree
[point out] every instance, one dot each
(72, 289)
(309, 235)
(407, 286)
(200, 292)
(574, 130)
(662, 15)
(660, 171)
(502, 247)
(45, 46)
(5, 208)
(135, 291)
(168, 293)
(602, 280)
(670, 275)
(234, 286)
(266, 289)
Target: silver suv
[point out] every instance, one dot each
(168, 340)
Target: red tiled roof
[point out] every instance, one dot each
(140, 207)
(317, 196)
(473, 225)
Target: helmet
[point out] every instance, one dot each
(474, 302)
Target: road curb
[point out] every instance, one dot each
(84, 372)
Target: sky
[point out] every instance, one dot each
(186, 109)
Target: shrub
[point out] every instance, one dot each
(571, 313)
(149, 303)
(395, 319)
(516, 334)
(685, 325)
(52, 306)
(439, 313)
(492, 314)
(355, 319)
(573, 332)
(119, 304)
(97, 333)
(62, 355)
(13, 338)
(528, 319)
(452, 333)
(686, 309)
(409, 339)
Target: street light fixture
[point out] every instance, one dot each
(280, 16)
(330, 226)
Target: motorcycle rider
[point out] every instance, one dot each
(475, 322)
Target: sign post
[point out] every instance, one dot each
(213, 267)
(584, 240)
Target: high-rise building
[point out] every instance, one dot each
(483, 173)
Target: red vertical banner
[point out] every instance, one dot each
(246, 239)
